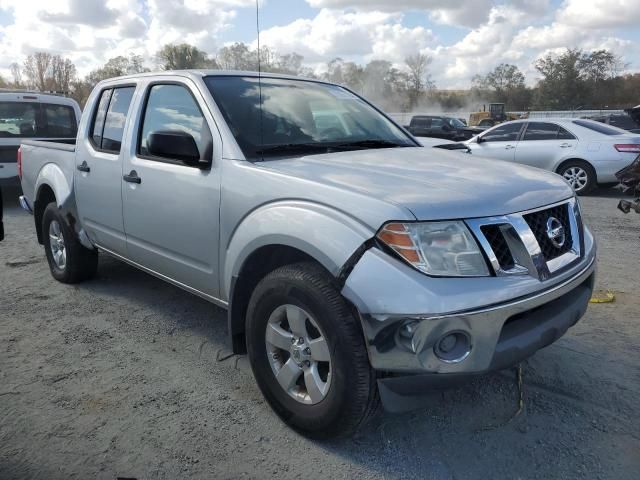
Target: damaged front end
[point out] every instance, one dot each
(629, 178)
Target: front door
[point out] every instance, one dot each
(498, 143)
(171, 209)
(98, 175)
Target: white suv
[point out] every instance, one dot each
(33, 115)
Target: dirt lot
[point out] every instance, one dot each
(122, 377)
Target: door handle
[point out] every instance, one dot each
(565, 145)
(83, 167)
(509, 147)
(132, 177)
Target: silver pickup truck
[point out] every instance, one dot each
(356, 265)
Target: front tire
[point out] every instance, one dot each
(69, 261)
(580, 175)
(307, 353)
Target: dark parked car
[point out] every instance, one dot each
(630, 120)
(448, 128)
(1, 224)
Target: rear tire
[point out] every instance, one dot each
(580, 175)
(69, 261)
(303, 298)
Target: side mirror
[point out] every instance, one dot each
(479, 139)
(176, 145)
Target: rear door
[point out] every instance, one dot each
(98, 176)
(420, 126)
(544, 144)
(499, 143)
(171, 216)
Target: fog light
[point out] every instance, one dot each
(408, 329)
(453, 347)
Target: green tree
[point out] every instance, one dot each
(183, 56)
(238, 56)
(561, 86)
(504, 84)
(419, 79)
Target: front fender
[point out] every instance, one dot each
(327, 235)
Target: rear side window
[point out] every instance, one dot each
(116, 118)
(18, 119)
(111, 116)
(541, 131)
(98, 121)
(508, 132)
(546, 131)
(599, 127)
(565, 134)
(421, 122)
(171, 108)
(58, 121)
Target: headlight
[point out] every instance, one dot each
(445, 249)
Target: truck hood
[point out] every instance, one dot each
(432, 184)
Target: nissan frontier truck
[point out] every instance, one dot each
(357, 267)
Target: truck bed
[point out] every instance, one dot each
(55, 156)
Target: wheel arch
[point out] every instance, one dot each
(44, 196)
(562, 163)
(257, 265)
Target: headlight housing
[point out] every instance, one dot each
(443, 249)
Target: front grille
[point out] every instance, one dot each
(537, 222)
(499, 245)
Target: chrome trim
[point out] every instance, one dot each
(206, 296)
(25, 205)
(482, 324)
(523, 245)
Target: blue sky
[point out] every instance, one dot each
(463, 37)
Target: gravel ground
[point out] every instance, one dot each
(126, 376)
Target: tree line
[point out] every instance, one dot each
(574, 79)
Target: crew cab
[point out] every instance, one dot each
(356, 265)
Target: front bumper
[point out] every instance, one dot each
(504, 319)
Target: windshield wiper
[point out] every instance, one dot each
(294, 147)
(371, 143)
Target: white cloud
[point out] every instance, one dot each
(600, 13)
(444, 11)
(91, 31)
(335, 33)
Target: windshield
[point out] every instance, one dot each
(299, 116)
(455, 123)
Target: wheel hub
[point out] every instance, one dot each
(300, 352)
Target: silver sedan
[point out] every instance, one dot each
(586, 153)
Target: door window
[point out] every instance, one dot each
(98, 121)
(116, 118)
(565, 134)
(508, 132)
(437, 123)
(541, 131)
(171, 108)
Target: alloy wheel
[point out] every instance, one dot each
(57, 245)
(299, 354)
(577, 177)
